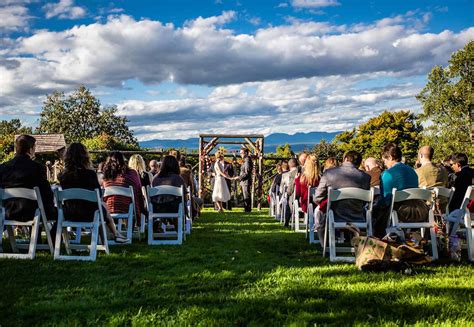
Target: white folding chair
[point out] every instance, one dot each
(98, 221)
(142, 216)
(348, 193)
(272, 211)
(34, 224)
(126, 216)
(467, 223)
(301, 224)
(447, 194)
(189, 222)
(415, 194)
(283, 204)
(314, 216)
(166, 237)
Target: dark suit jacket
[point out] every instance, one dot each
(23, 172)
(246, 168)
(461, 183)
(340, 177)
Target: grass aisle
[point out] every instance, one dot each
(235, 268)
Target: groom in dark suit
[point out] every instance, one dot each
(245, 178)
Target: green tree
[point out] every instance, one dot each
(448, 105)
(324, 150)
(8, 130)
(369, 138)
(284, 151)
(80, 116)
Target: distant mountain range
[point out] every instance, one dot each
(298, 142)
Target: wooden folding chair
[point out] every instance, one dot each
(34, 224)
(349, 193)
(126, 216)
(429, 223)
(166, 237)
(96, 224)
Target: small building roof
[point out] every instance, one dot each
(48, 143)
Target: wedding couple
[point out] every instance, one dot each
(221, 192)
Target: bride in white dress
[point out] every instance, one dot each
(220, 193)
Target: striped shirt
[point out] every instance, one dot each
(120, 204)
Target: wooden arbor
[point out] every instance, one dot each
(253, 142)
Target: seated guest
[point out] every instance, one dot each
(399, 176)
(301, 161)
(154, 167)
(373, 169)
(187, 176)
(23, 172)
(168, 175)
(137, 163)
(117, 173)
(288, 181)
(346, 175)
(100, 174)
(430, 175)
(78, 174)
(275, 187)
(309, 178)
(330, 162)
(464, 179)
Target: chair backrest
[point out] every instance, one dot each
(19, 193)
(165, 190)
(352, 193)
(444, 192)
(119, 190)
(77, 194)
(411, 194)
(376, 190)
(468, 196)
(311, 193)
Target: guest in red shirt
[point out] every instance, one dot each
(309, 178)
(117, 173)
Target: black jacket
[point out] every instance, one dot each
(246, 171)
(461, 183)
(23, 172)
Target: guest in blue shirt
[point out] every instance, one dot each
(399, 176)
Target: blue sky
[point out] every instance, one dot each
(178, 68)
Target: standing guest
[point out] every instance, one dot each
(168, 175)
(23, 172)
(309, 178)
(430, 175)
(78, 173)
(464, 179)
(117, 173)
(373, 169)
(245, 178)
(137, 163)
(330, 162)
(154, 167)
(399, 176)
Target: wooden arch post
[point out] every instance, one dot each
(253, 142)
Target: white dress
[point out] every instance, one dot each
(220, 191)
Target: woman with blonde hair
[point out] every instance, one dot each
(137, 163)
(309, 178)
(220, 193)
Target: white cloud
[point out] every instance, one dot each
(314, 3)
(13, 17)
(64, 9)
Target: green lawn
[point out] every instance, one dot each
(235, 269)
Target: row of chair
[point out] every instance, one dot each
(308, 222)
(96, 227)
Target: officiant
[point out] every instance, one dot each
(245, 178)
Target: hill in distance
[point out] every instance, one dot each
(298, 142)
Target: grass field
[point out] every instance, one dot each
(235, 269)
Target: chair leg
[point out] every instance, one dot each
(94, 240)
(57, 245)
(11, 238)
(325, 238)
(150, 230)
(469, 240)
(332, 240)
(34, 238)
(434, 245)
(1, 233)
